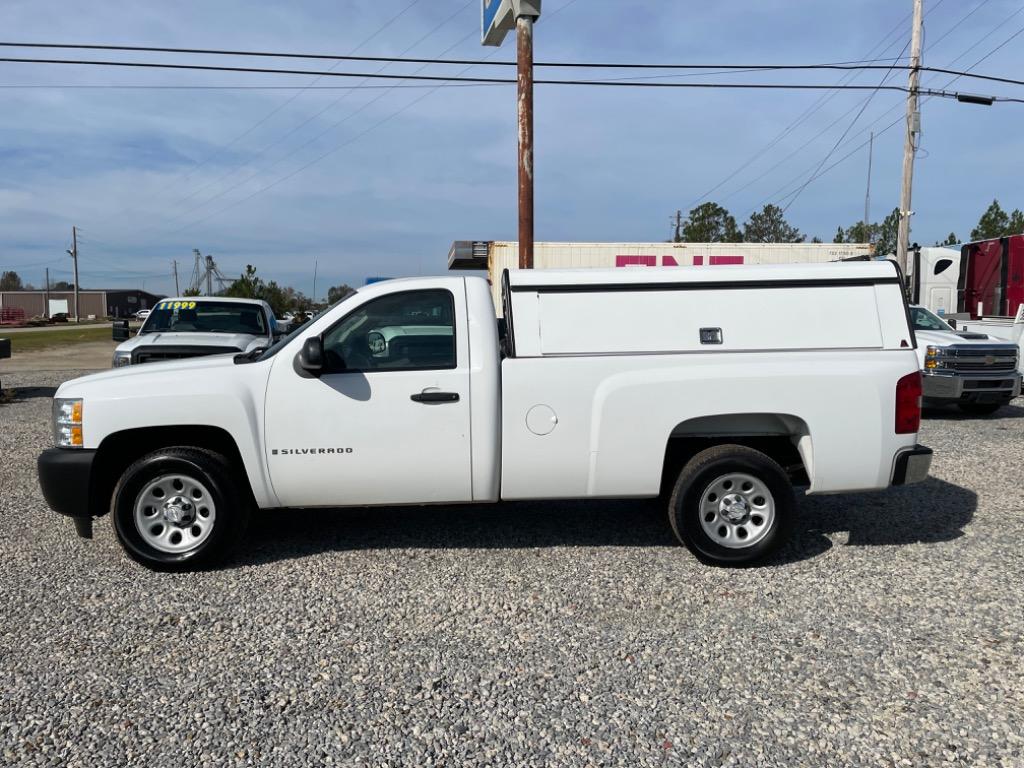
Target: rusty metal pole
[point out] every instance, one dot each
(524, 51)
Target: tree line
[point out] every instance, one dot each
(281, 299)
(712, 223)
(249, 285)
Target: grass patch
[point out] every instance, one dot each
(31, 341)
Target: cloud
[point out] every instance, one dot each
(374, 183)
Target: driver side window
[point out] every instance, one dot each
(412, 330)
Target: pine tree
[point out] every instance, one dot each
(993, 223)
(770, 226)
(710, 223)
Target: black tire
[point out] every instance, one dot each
(220, 479)
(697, 476)
(980, 409)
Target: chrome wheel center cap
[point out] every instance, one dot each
(735, 509)
(179, 511)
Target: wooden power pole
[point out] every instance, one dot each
(74, 258)
(910, 141)
(175, 265)
(524, 58)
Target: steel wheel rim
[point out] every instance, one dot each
(737, 510)
(174, 513)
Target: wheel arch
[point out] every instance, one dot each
(786, 438)
(118, 450)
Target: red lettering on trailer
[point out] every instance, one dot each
(636, 261)
(624, 260)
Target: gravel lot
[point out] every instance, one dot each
(891, 633)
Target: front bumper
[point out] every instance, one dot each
(971, 387)
(911, 465)
(64, 477)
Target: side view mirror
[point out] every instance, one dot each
(121, 330)
(311, 356)
(952, 323)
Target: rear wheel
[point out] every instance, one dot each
(980, 409)
(732, 505)
(179, 509)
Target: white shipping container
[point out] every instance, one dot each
(495, 255)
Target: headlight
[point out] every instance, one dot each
(934, 357)
(122, 358)
(67, 422)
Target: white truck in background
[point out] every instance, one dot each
(974, 371)
(195, 326)
(707, 386)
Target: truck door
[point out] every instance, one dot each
(388, 421)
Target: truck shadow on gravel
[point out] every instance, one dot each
(951, 413)
(10, 394)
(930, 512)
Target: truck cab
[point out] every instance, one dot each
(195, 326)
(969, 369)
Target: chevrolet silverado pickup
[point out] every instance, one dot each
(970, 369)
(707, 388)
(194, 326)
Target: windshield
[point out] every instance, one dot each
(207, 317)
(926, 321)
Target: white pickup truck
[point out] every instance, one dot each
(194, 326)
(976, 372)
(709, 387)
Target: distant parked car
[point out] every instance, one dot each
(142, 314)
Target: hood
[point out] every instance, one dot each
(240, 341)
(140, 375)
(949, 338)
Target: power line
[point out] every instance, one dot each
(931, 94)
(456, 78)
(281, 106)
(509, 81)
(301, 125)
(876, 120)
(136, 87)
(401, 59)
(370, 129)
(881, 46)
(845, 133)
(357, 136)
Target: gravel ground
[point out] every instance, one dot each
(890, 633)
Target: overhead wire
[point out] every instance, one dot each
(900, 119)
(355, 137)
(262, 151)
(877, 119)
(844, 134)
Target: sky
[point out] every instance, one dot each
(292, 176)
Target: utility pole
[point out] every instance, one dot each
(176, 291)
(498, 18)
(524, 59)
(74, 256)
(910, 142)
(867, 194)
(46, 310)
(677, 233)
(315, 265)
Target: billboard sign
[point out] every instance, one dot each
(495, 21)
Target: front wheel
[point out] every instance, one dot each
(179, 509)
(732, 505)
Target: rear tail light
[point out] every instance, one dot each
(908, 404)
